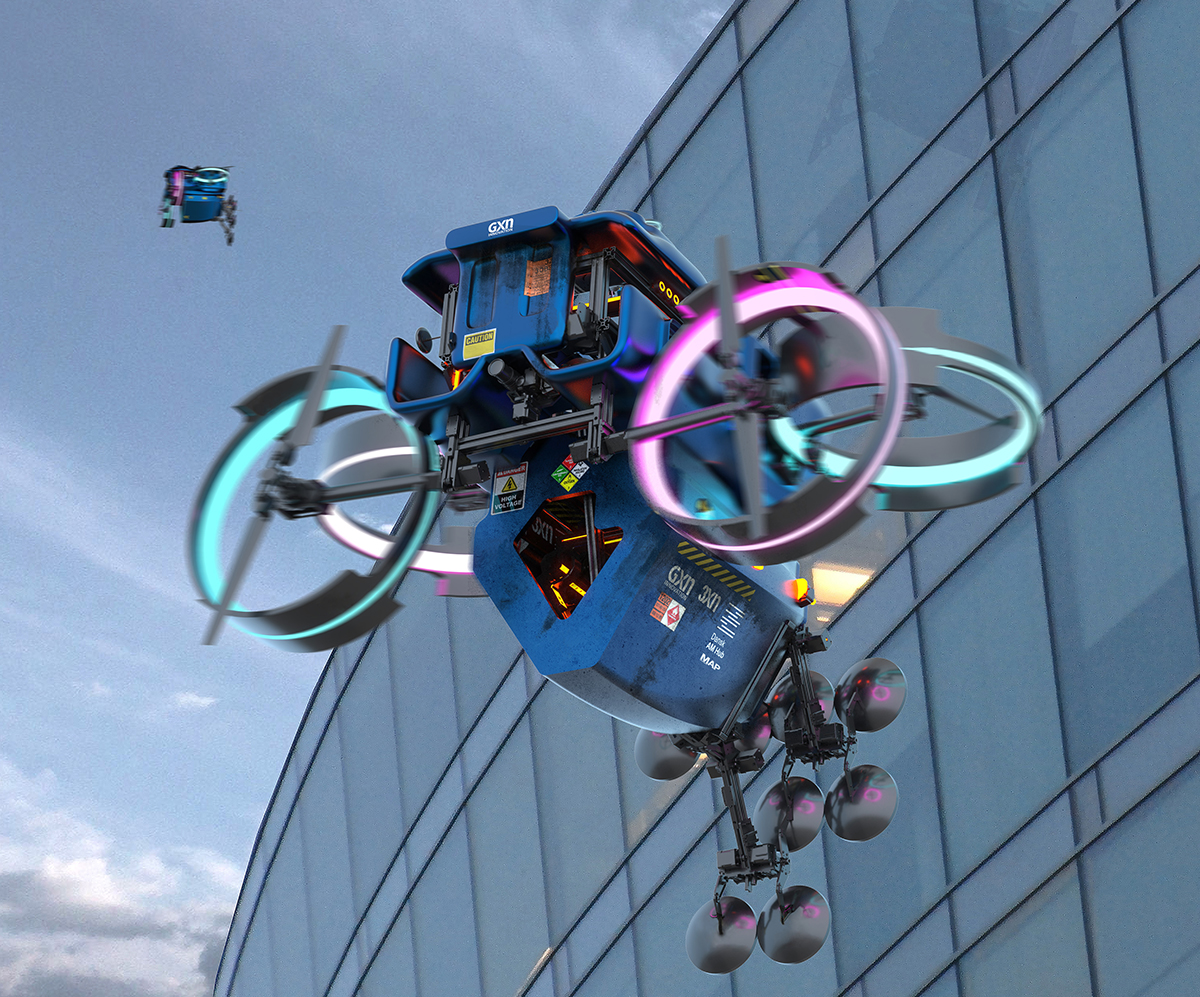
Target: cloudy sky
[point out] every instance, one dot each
(134, 763)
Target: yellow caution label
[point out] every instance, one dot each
(479, 344)
(510, 485)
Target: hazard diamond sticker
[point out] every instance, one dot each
(508, 489)
(667, 611)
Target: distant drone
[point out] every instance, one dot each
(199, 193)
(653, 453)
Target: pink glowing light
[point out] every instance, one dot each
(802, 288)
(882, 693)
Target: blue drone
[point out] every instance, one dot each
(200, 194)
(653, 454)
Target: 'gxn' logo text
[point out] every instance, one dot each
(498, 228)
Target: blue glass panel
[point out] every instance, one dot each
(253, 976)
(1107, 387)
(579, 806)
(918, 62)
(322, 812)
(1041, 949)
(1165, 82)
(1139, 882)
(918, 955)
(283, 903)
(664, 969)
(755, 19)
(855, 258)
(879, 887)
(955, 263)
(314, 722)
(990, 676)
(426, 723)
(1013, 872)
(876, 610)
(441, 808)
(616, 975)
(642, 800)
(706, 192)
(693, 99)
(1180, 318)
(1076, 242)
(393, 974)
(482, 649)
(630, 184)
(932, 175)
(494, 725)
(604, 919)
(506, 867)
(372, 777)
(945, 985)
(1185, 409)
(1165, 743)
(1002, 101)
(1086, 812)
(1067, 34)
(685, 822)
(1117, 574)
(803, 124)
(443, 922)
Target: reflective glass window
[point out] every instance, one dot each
(393, 973)
(803, 124)
(664, 969)
(706, 192)
(630, 184)
(1151, 754)
(579, 805)
(615, 976)
(932, 175)
(1041, 949)
(955, 263)
(642, 800)
(1120, 597)
(918, 62)
(1165, 82)
(1075, 238)
(1086, 812)
(283, 903)
(1139, 882)
(506, 867)
(1104, 389)
(494, 725)
(1180, 317)
(444, 922)
(1067, 34)
(855, 257)
(422, 690)
(755, 19)
(692, 100)
(483, 649)
(1013, 872)
(945, 985)
(990, 676)
(253, 975)
(683, 824)
(372, 777)
(589, 938)
(902, 971)
(904, 864)
(856, 630)
(1185, 406)
(1004, 25)
(322, 813)
(1002, 102)
(314, 721)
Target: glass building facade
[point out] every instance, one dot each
(449, 823)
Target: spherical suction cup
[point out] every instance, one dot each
(861, 803)
(756, 733)
(870, 694)
(783, 695)
(796, 929)
(721, 944)
(794, 815)
(658, 757)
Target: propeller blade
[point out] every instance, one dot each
(750, 471)
(250, 541)
(729, 331)
(301, 434)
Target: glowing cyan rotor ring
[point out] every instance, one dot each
(936, 480)
(359, 602)
(792, 289)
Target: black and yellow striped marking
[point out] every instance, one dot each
(716, 569)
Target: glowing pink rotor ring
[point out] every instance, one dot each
(755, 306)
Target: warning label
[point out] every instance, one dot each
(667, 611)
(508, 489)
(479, 344)
(569, 472)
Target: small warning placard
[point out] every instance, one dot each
(508, 489)
(667, 611)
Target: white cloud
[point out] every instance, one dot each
(192, 701)
(80, 916)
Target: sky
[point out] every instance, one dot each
(135, 764)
